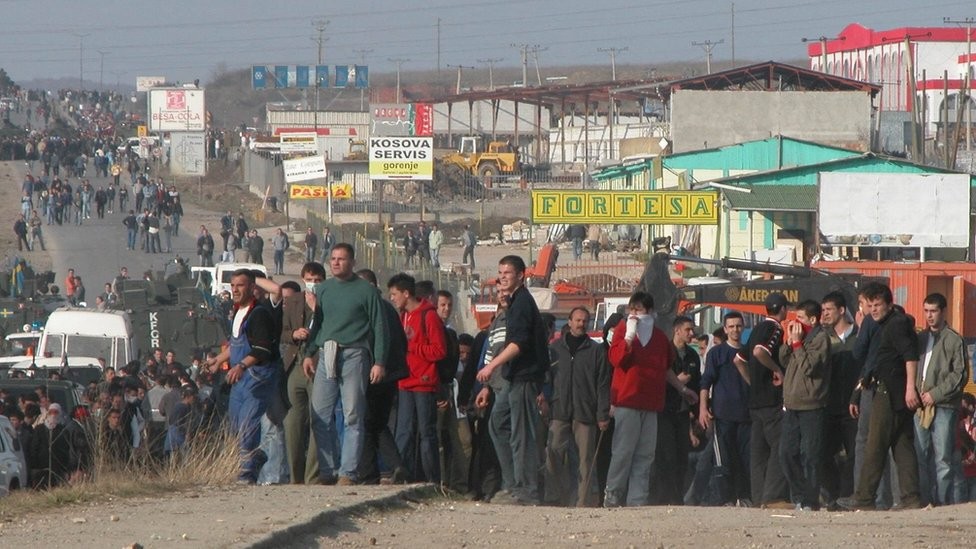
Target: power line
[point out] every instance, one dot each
(398, 62)
(491, 70)
(459, 68)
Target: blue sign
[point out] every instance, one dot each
(322, 76)
(259, 77)
(301, 76)
(281, 76)
(341, 76)
(362, 76)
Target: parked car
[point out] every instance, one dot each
(66, 393)
(13, 466)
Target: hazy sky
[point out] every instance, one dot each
(183, 39)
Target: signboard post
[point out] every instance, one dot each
(177, 110)
(298, 142)
(401, 158)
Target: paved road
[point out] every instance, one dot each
(96, 249)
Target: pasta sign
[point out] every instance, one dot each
(340, 191)
(664, 207)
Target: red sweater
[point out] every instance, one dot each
(425, 346)
(640, 375)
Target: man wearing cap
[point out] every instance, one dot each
(758, 362)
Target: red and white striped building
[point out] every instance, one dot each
(882, 57)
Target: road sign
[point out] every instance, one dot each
(304, 169)
(157, 151)
(308, 76)
(141, 130)
(188, 156)
(408, 158)
(664, 207)
(144, 141)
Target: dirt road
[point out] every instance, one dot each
(441, 523)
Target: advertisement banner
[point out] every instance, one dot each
(177, 110)
(144, 83)
(298, 142)
(304, 169)
(402, 119)
(362, 76)
(188, 153)
(342, 75)
(281, 76)
(340, 191)
(409, 158)
(634, 208)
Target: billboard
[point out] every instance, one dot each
(401, 158)
(188, 153)
(402, 119)
(634, 208)
(144, 83)
(176, 110)
(308, 76)
(298, 142)
(340, 191)
(883, 209)
(304, 169)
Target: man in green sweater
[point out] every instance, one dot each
(352, 336)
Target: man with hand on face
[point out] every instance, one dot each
(299, 319)
(351, 344)
(641, 361)
(806, 359)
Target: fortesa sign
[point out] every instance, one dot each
(645, 207)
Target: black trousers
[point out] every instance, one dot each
(895, 430)
(379, 442)
(485, 474)
(840, 433)
(765, 473)
(670, 459)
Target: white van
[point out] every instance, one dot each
(221, 273)
(74, 331)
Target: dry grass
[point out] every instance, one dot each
(211, 460)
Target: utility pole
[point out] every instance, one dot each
(398, 62)
(708, 46)
(524, 52)
(613, 59)
(438, 41)
(535, 55)
(319, 25)
(733, 35)
(101, 70)
(457, 88)
(491, 70)
(81, 58)
(966, 80)
(362, 58)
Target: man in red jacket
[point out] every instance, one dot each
(418, 392)
(641, 361)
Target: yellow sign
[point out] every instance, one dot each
(643, 207)
(141, 131)
(340, 191)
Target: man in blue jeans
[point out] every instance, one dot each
(353, 336)
(940, 378)
(524, 360)
(253, 355)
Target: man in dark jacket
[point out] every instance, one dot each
(840, 430)
(524, 361)
(50, 451)
(20, 231)
(674, 422)
(580, 408)
(379, 441)
(255, 248)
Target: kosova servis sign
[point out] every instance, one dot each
(644, 207)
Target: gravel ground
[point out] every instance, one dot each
(441, 523)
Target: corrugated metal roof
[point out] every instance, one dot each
(773, 198)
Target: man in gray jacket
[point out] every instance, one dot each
(805, 359)
(580, 405)
(940, 379)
